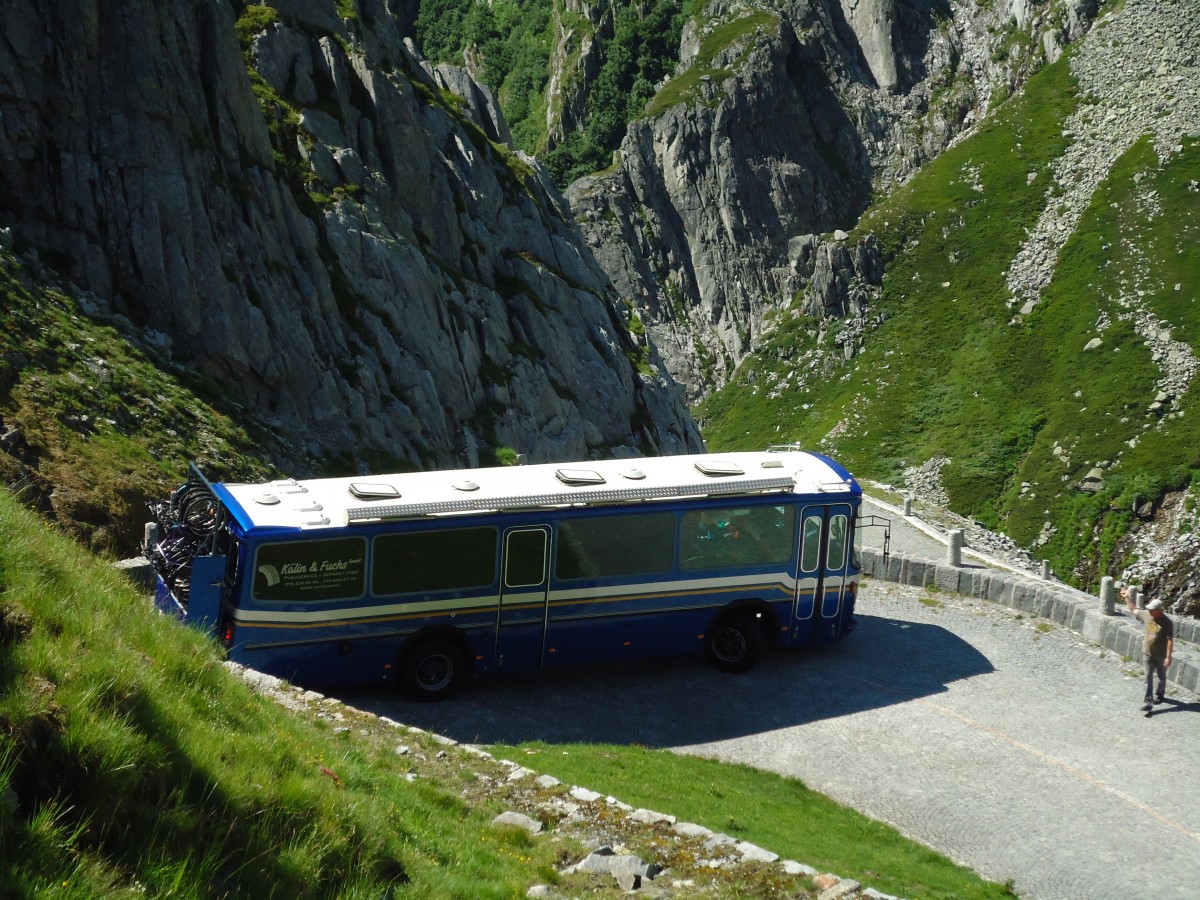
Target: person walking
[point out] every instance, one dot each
(1159, 646)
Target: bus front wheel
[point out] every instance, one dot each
(735, 643)
(432, 670)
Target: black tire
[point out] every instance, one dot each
(432, 670)
(735, 643)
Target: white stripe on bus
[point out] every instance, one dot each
(775, 582)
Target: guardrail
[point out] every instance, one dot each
(1113, 629)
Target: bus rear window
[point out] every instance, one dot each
(424, 561)
(611, 546)
(810, 554)
(310, 571)
(837, 543)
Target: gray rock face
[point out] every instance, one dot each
(480, 102)
(873, 22)
(695, 223)
(842, 278)
(351, 255)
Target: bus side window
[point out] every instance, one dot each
(615, 546)
(526, 559)
(420, 562)
(810, 554)
(748, 536)
(771, 531)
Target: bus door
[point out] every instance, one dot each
(524, 585)
(822, 573)
(206, 591)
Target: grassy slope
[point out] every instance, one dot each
(141, 764)
(1095, 403)
(105, 428)
(952, 372)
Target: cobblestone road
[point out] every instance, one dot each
(1011, 745)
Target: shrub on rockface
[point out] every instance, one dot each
(509, 44)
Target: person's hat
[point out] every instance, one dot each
(1154, 604)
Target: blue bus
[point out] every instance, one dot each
(423, 577)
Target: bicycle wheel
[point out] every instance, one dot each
(198, 514)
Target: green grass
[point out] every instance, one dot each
(954, 371)
(1099, 401)
(132, 763)
(104, 427)
(781, 814)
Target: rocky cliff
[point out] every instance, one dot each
(289, 201)
(783, 120)
(580, 30)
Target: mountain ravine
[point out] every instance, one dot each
(782, 122)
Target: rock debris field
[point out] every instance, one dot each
(1127, 96)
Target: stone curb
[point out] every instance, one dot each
(1070, 607)
(829, 885)
(832, 887)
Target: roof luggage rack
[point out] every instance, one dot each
(585, 496)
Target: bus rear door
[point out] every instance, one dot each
(822, 574)
(835, 563)
(206, 592)
(521, 622)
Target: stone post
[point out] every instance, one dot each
(1108, 595)
(908, 506)
(1136, 592)
(954, 547)
(1045, 570)
(149, 536)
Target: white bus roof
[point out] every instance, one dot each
(334, 502)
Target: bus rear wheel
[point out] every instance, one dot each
(734, 643)
(432, 670)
